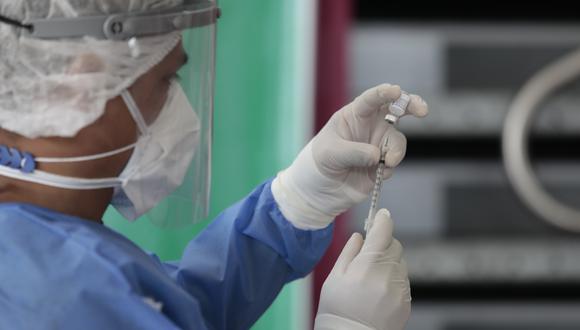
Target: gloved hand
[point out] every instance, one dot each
(368, 288)
(336, 170)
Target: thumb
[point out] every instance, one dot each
(396, 147)
(349, 252)
(380, 236)
(349, 154)
(417, 107)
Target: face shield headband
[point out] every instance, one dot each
(125, 26)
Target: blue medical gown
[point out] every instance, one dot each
(62, 272)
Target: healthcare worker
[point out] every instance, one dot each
(92, 114)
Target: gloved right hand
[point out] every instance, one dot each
(336, 169)
(368, 288)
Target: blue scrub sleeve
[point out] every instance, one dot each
(237, 266)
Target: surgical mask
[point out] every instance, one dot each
(161, 156)
(160, 159)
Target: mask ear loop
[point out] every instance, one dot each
(134, 111)
(65, 182)
(84, 158)
(137, 116)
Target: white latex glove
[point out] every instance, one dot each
(336, 169)
(368, 288)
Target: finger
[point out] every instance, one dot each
(405, 290)
(396, 147)
(351, 154)
(394, 252)
(387, 174)
(380, 236)
(349, 252)
(417, 107)
(403, 272)
(407, 293)
(371, 100)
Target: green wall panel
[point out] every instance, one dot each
(256, 130)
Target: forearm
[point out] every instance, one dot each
(244, 257)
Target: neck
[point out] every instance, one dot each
(85, 204)
(113, 130)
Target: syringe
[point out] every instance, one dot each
(396, 110)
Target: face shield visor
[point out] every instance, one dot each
(167, 178)
(189, 202)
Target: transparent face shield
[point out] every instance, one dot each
(177, 187)
(189, 202)
(167, 177)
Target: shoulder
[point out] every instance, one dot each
(41, 255)
(56, 272)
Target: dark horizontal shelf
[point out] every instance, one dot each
(486, 292)
(561, 148)
(481, 11)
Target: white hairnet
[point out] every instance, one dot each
(58, 87)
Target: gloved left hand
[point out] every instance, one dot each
(336, 169)
(368, 287)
